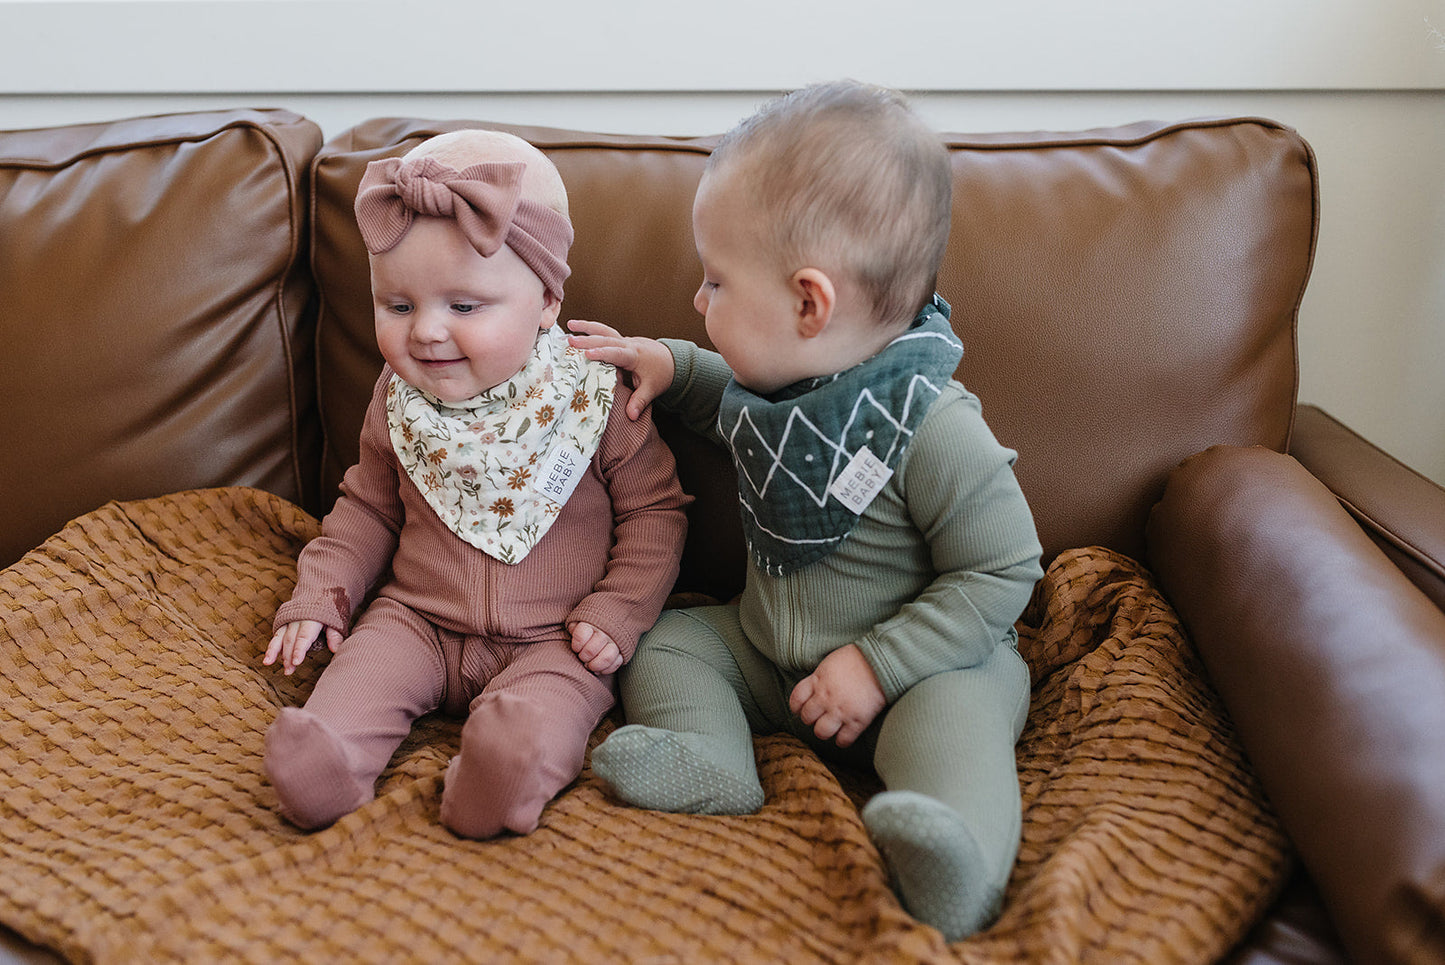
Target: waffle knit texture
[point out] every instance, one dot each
(136, 823)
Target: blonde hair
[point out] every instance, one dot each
(461, 149)
(846, 177)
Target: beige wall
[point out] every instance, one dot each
(1362, 80)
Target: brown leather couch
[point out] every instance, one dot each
(184, 303)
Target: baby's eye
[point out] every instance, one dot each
(399, 308)
(464, 308)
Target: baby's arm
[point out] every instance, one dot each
(649, 527)
(647, 360)
(357, 541)
(960, 488)
(966, 503)
(839, 699)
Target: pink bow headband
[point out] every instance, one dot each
(485, 199)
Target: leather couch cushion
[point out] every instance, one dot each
(151, 305)
(1126, 297)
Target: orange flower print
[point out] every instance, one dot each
(545, 415)
(518, 478)
(535, 392)
(433, 481)
(580, 402)
(437, 456)
(502, 507)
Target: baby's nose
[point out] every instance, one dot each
(427, 327)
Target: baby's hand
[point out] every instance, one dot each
(839, 699)
(646, 359)
(293, 641)
(595, 649)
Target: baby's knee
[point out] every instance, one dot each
(513, 733)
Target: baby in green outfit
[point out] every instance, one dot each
(891, 547)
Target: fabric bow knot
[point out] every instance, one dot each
(485, 200)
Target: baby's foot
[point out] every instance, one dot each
(659, 769)
(308, 768)
(938, 871)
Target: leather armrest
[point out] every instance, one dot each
(1401, 510)
(1332, 665)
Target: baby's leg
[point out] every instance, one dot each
(948, 825)
(524, 740)
(323, 759)
(688, 745)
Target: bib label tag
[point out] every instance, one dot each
(560, 472)
(860, 481)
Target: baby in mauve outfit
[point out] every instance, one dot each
(518, 530)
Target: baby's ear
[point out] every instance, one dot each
(551, 308)
(814, 299)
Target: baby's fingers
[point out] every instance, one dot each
(800, 696)
(273, 649)
(608, 659)
(586, 327)
(621, 354)
(848, 732)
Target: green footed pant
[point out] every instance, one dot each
(696, 690)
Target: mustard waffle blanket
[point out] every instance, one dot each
(136, 824)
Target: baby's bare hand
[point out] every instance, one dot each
(647, 361)
(293, 641)
(597, 651)
(839, 699)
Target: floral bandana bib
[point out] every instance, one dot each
(497, 468)
(812, 456)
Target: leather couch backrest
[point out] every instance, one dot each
(153, 295)
(1126, 298)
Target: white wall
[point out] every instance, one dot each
(1362, 80)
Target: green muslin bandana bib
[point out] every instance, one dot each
(812, 456)
(497, 468)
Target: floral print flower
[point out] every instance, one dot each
(545, 415)
(502, 507)
(580, 402)
(518, 478)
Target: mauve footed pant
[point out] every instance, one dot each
(530, 711)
